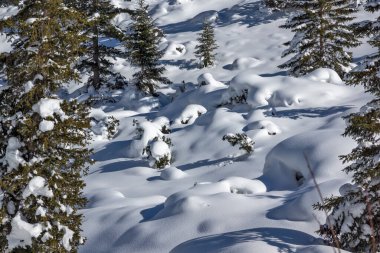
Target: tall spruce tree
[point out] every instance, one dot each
(42, 138)
(207, 45)
(322, 35)
(355, 215)
(143, 41)
(99, 15)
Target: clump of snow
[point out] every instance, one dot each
(190, 114)
(13, 156)
(67, 236)
(22, 232)
(245, 63)
(46, 125)
(46, 107)
(37, 187)
(324, 75)
(267, 125)
(172, 173)
(208, 79)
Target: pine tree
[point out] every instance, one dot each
(144, 53)
(207, 45)
(355, 215)
(276, 4)
(99, 15)
(42, 138)
(322, 34)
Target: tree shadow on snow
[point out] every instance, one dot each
(182, 64)
(250, 14)
(203, 163)
(113, 150)
(308, 112)
(281, 238)
(122, 165)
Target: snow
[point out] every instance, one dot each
(47, 107)
(46, 125)
(37, 187)
(67, 236)
(245, 63)
(190, 114)
(172, 173)
(22, 232)
(13, 156)
(210, 199)
(324, 75)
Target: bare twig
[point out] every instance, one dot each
(335, 238)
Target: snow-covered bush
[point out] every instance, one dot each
(241, 139)
(106, 127)
(155, 145)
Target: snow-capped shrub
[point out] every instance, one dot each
(158, 153)
(244, 142)
(155, 145)
(104, 126)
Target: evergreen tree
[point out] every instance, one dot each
(144, 53)
(276, 4)
(42, 139)
(207, 45)
(355, 215)
(99, 15)
(322, 36)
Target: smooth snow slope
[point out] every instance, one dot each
(214, 199)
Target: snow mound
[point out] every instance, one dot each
(245, 63)
(236, 185)
(277, 91)
(267, 125)
(172, 173)
(324, 75)
(190, 114)
(174, 50)
(298, 206)
(286, 166)
(208, 79)
(22, 232)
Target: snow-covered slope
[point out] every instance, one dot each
(215, 199)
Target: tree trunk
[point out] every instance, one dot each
(96, 54)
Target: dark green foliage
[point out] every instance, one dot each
(322, 35)
(46, 42)
(143, 41)
(355, 215)
(98, 15)
(207, 45)
(244, 142)
(277, 4)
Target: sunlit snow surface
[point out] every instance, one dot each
(215, 199)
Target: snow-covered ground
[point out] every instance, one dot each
(214, 198)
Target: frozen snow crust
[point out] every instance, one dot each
(213, 198)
